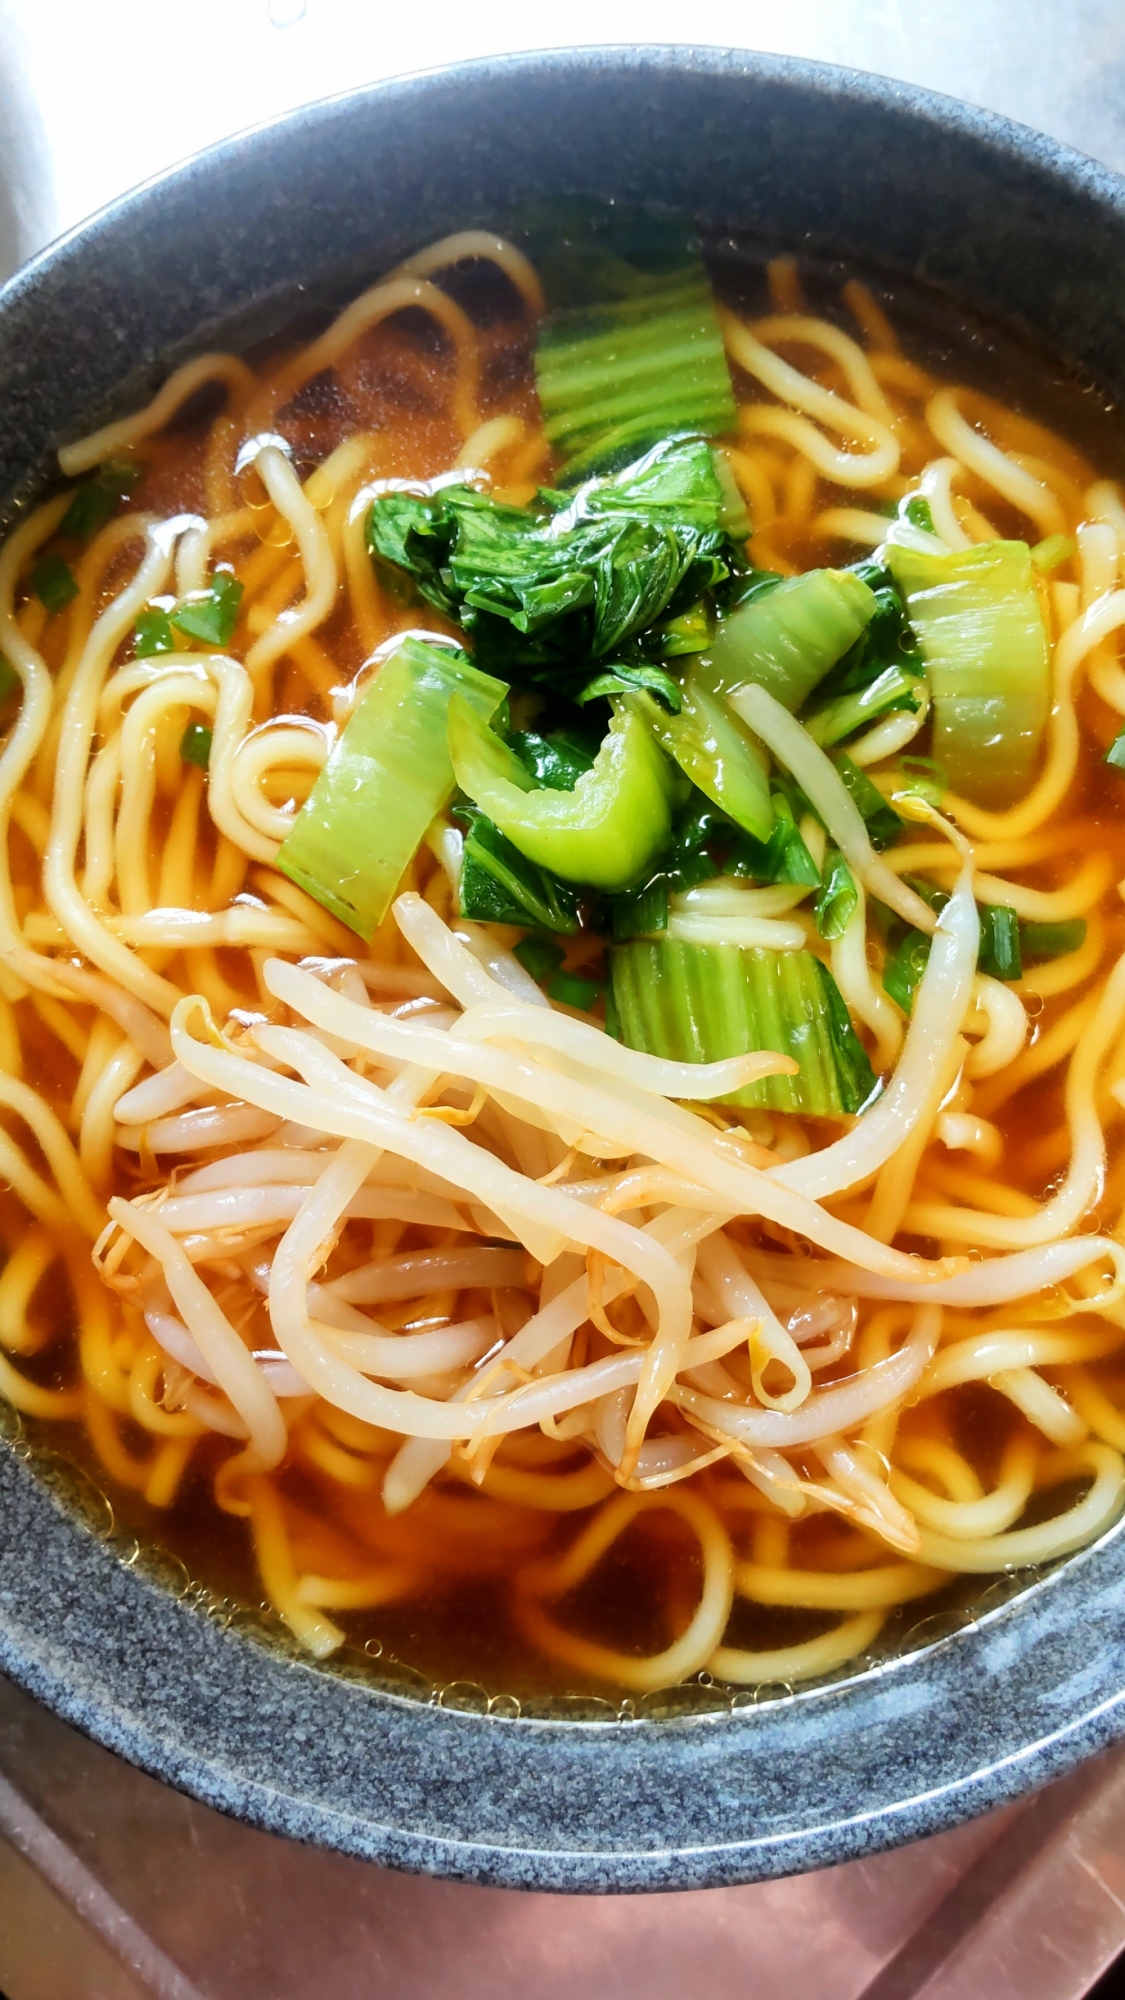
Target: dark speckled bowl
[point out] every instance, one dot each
(1011, 224)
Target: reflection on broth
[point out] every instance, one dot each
(722, 657)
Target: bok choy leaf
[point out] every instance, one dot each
(551, 593)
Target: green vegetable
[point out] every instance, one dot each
(570, 990)
(603, 833)
(546, 593)
(896, 688)
(387, 777)
(980, 629)
(539, 956)
(881, 820)
(1115, 755)
(924, 779)
(557, 761)
(9, 680)
(153, 633)
(1053, 551)
(838, 896)
(639, 677)
(499, 885)
(716, 751)
(195, 745)
(95, 500)
(784, 857)
(53, 582)
(1039, 942)
(905, 965)
(916, 509)
(684, 862)
(212, 617)
(1000, 953)
(1008, 943)
(615, 378)
(700, 1003)
(787, 638)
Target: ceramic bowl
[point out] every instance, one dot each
(806, 157)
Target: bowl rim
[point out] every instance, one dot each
(440, 1768)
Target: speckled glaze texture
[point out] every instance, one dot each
(1016, 227)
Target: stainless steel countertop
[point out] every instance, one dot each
(111, 1886)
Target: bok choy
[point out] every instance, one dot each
(552, 593)
(616, 377)
(700, 1003)
(385, 780)
(787, 638)
(601, 833)
(980, 628)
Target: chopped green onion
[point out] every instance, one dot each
(716, 751)
(786, 639)
(195, 745)
(838, 896)
(894, 689)
(1115, 755)
(94, 501)
(386, 779)
(153, 633)
(53, 582)
(1039, 942)
(701, 1003)
(1008, 943)
(903, 970)
(1000, 953)
(603, 833)
(980, 628)
(572, 991)
(612, 1017)
(500, 886)
(212, 617)
(881, 820)
(540, 956)
(614, 379)
(1052, 552)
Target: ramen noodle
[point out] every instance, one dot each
(562, 1008)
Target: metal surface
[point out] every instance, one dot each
(111, 1887)
(114, 1888)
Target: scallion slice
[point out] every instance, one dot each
(153, 633)
(53, 582)
(212, 617)
(195, 745)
